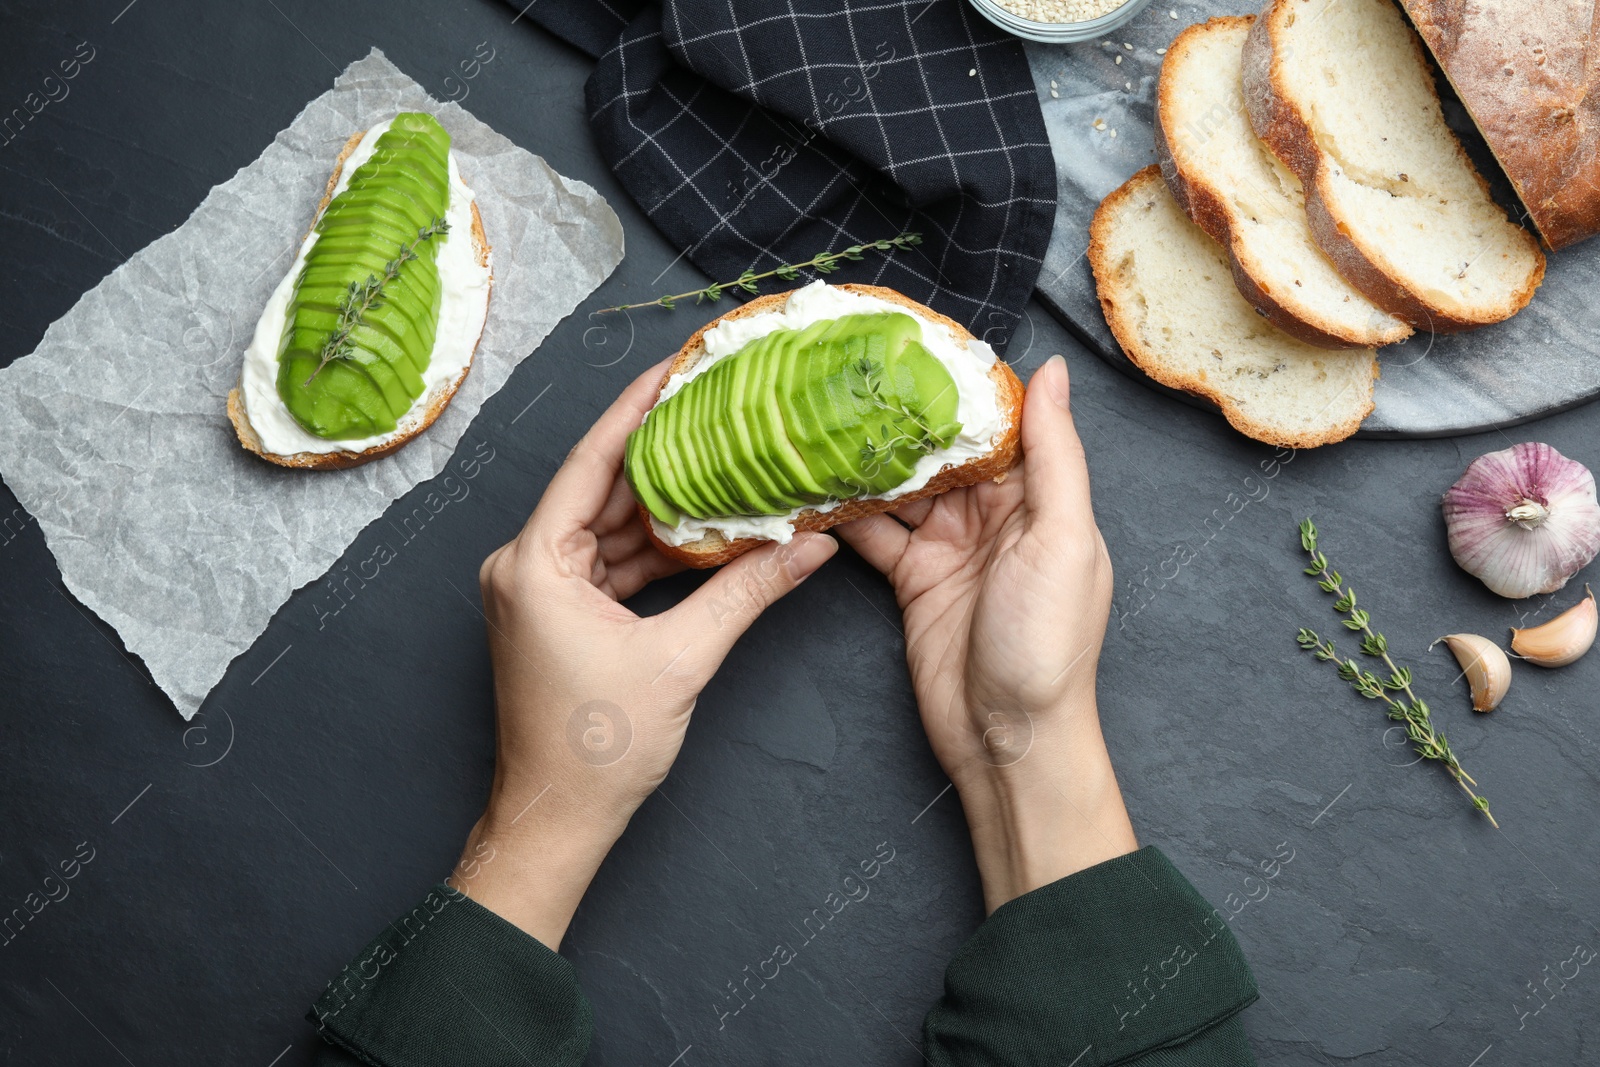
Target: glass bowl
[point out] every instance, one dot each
(1058, 32)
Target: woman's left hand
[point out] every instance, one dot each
(592, 700)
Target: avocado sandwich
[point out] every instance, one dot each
(800, 411)
(369, 334)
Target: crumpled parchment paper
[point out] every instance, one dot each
(114, 433)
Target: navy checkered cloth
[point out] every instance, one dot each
(758, 134)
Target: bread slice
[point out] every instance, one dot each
(434, 404)
(1168, 295)
(713, 550)
(1341, 92)
(1236, 190)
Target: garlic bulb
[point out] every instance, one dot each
(1562, 639)
(1524, 520)
(1485, 664)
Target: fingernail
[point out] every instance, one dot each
(1056, 381)
(806, 553)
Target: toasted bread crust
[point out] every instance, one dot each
(713, 550)
(1288, 133)
(1207, 209)
(1126, 330)
(1526, 74)
(343, 459)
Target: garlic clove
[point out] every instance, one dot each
(1524, 520)
(1485, 664)
(1562, 639)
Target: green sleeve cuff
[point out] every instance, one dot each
(1099, 968)
(450, 982)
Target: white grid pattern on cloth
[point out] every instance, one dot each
(912, 115)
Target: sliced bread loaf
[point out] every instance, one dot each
(1526, 71)
(1169, 298)
(1233, 187)
(1341, 92)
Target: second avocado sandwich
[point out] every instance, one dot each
(800, 411)
(374, 327)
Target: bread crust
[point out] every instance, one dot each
(1208, 209)
(1126, 330)
(343, 459)
(713, 550)
(1288, 133)
(1523, 71)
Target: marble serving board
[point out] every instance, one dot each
(1545, 359)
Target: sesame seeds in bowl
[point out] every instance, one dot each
(1059, 21)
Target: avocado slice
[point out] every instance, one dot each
(755, 412)
(825, 393)
(701, 418)
(643, 477)
(855, 419)
(763, 415)
(706, 416)
(741, 449)
(746, 452)
(393, 201)
(703, 498)
(807, 422)
(920, 375)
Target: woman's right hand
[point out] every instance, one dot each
(1006, 592)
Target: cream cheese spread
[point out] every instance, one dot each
(977, 405)
(463, 306)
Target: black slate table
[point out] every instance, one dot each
(239, 860)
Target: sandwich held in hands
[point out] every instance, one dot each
(803, 410)
(374, 327)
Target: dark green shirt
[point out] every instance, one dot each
(1124, 963)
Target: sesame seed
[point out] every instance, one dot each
(1128, 46)
(1172, 14)
(1119, 59)
(1055, 95)
(973, 73)
(1113, 133)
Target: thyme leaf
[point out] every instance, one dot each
(1407, 709)
(927, 439)
(823, 263)
(363, 297)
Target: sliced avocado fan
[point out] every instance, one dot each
(360, 328)
(839, 409)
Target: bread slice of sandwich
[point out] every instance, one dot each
(1342, 93)
(799, 411)
(1168, 295)
(1231, 185)
(373, 329)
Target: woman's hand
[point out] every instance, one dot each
(592, 700)
(1006, 591)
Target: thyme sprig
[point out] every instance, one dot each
(1407, 708)
(927, 439)
(363, 297)
(823, 263)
